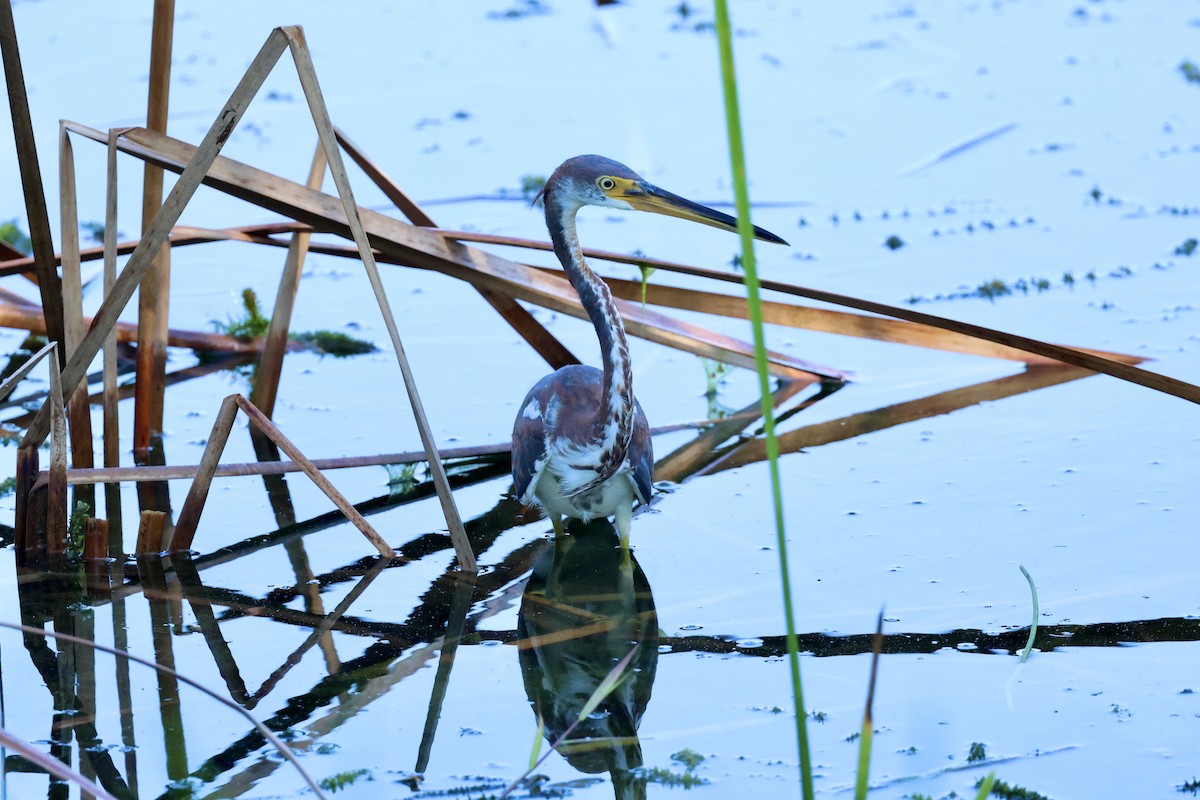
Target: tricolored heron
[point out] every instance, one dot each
(581, 444)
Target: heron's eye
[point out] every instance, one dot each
(606, 183)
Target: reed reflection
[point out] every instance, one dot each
(584, 608)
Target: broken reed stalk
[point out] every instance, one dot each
(79, 411)
(154, 290)
(156, 234)
(95, 553)
(499, 450)
(878, 328)
(112, 427)
(946, 333)
(843, 323)
(417, 247)
(180, 236)
(30, 318)
(124, 655)
(51, 765)
(270, 364)
(836, 430)
(19, 375)
(320, 114)
(151, 525)
(737, 158)
(57, 514)
(533, 332)
(31, 177)
(193, 506)
(27, 465)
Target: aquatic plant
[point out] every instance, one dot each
(75, 530)
(688, 757)
(94, 230)
(665, 777)
(978, 752)
(1190, 71)
(893, 242)
(254, 325)
(1006, 792)
(334, 343)
(532, 185)
(714, 375)
(341, 780)
(15, 237)
(251, 325)
(1187, 248)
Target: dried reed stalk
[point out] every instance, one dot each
(156, 234)
(836, 430)
(320, 114)
(31, 176)
(56, 501)
(79, 412)
(193, 506)
(25, 265)
(270, 365)
(843, 323)
(50, 764)
(30, 318)
(112, 429)
(909, 327)
(417, 247)
(150, 533)
(154, 292)
(541, 340)
(123, 655)
(27, 470)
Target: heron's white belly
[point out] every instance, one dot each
(616, 494)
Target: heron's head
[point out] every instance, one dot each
(600, 181)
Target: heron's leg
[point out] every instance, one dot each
(623, 517)
(556, 521)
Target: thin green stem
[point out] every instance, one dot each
(1033, 626)
(754, 298)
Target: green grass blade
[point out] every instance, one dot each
(611, 681)
(536, 750)
(985, 788)
(754, 298)
(868, 724)
(864, 760)
(1033, 626)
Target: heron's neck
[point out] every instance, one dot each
(614, 421)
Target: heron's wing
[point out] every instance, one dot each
(528, 449)
(641, 455)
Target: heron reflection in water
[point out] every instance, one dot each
(581, 444)
(586, 605)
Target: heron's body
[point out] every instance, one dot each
(581, 444)
(557, 450)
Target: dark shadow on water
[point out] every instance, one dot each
(584, 608)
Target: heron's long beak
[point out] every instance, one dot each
(648, 197)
